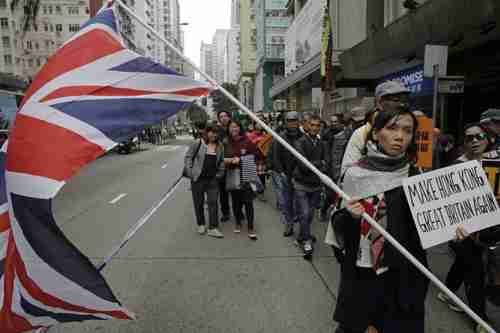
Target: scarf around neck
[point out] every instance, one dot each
(375, 173)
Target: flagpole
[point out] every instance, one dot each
(324, 178)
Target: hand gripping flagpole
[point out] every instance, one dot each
(324, 178)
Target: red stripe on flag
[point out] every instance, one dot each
(95, 91)
(192, 92)
(77, 53)
(39, 148)
(50, 300)
(4, 222)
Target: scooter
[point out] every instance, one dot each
(126, 147)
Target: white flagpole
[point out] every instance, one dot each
(324, 178)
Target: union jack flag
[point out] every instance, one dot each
(92, 94)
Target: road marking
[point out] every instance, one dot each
(164, 166)
(118, 198)
(167, 148)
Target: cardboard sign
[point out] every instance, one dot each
(424, 142)
(442, 200)
(264, 144)
(492, 170)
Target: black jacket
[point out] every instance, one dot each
(282, 159)
(314, 151)
(408, 287)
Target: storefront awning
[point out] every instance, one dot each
(304, 71)
(460, 24)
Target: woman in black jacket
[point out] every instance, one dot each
(380, 291)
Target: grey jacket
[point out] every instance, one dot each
(194, 170)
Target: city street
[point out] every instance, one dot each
(178, 281)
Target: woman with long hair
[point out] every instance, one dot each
(240, 157)
(468, 267)
(380, 291)
(204, 165)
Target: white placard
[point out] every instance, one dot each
(435, 55)
(443, 199)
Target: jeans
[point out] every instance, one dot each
(243, 199)
(198, 189)
(224, 197)
(306, 203)
(286, 198)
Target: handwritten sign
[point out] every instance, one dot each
(492, 169)
(424, 142)
(442, 200)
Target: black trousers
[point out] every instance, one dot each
(243, 199)
(198, 190)
(468, 268)
(224, 197)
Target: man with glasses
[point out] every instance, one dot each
(387, 94)
(491, 120)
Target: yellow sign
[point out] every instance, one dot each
(492, 169)
(264, 144)
(424, 142)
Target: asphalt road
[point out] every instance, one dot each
(178, 281)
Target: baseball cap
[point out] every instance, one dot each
(292, 115)
(390, 88)
(490, 114)
(358, 113)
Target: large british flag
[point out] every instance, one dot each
(92, 94)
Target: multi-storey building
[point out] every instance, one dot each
(232, 56)
(272, 23)
(24, 49)
(206, 61)
(248, 49)
(218, 52)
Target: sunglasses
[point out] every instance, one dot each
(397, 99)
(478, 137)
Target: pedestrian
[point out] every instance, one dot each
(305, 122)
(307, 184)
(283, 164)
(204, 162)
(468, 267)
(224, 118)
(387, 94)
(240, 157)
(256, 136)
(490, 119)
(380, 291)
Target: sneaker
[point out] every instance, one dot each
(224, 218)
(215, 233)
(288, 230)
(308, 247)
(202, 229)
(237, 229)
(445, 299)
(252, 235)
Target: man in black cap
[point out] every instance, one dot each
(224, 119)
(283, 164)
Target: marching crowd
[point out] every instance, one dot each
(369, 153)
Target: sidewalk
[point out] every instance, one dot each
(439, 317)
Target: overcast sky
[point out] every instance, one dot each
(204, 17)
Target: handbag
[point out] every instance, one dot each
(185, 171)
(233, 179)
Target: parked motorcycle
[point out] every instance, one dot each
(127, 147)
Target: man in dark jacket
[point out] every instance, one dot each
(283, 164)
(224, 119)
(307, 185)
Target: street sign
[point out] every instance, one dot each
(435, 55)
(451, 85)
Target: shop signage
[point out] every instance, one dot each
(303, 37)
(414, 80)
(492, 169)
(451, 85)
(442, 200)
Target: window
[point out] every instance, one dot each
(47, 44)
(59, 27)
(29, 45)
(7, 59)
(35, 27)
(58, 9)
(38, 62)
(45, 27)
(3, 3)
(6, 42)
(74, 27)
(45, 9)
(4, 22)
(50, 9)
(37, 46)
(30, 62)
(73, 10)
(51, 28)
(87, 11)
(18, 61)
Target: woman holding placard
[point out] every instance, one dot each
(380, 291)
(468, 267)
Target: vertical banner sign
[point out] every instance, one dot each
(443, 199)
(492, 169)
(424, 142)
